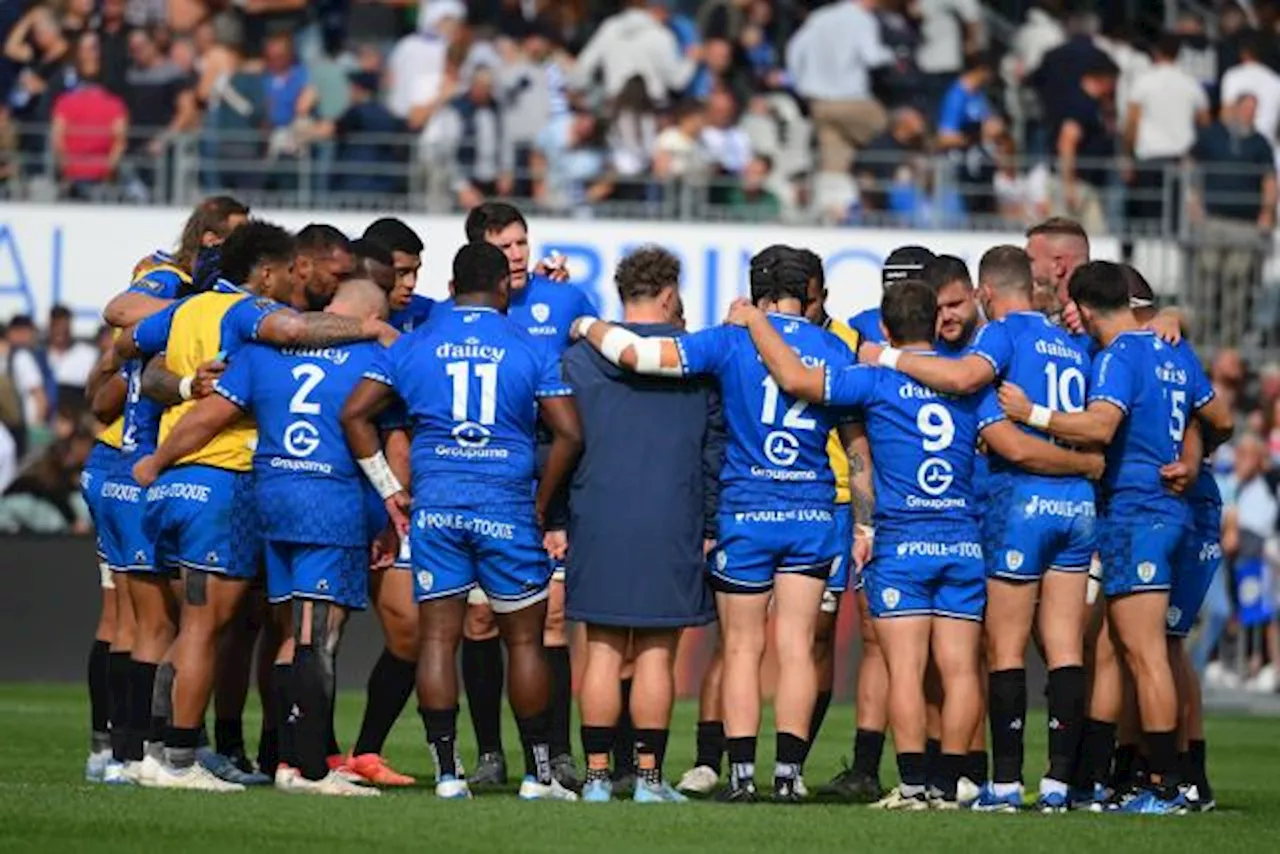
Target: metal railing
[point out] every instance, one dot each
(1189, 226)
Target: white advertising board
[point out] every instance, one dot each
(81, 255)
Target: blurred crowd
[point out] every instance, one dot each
(46, 428)
(913, 112)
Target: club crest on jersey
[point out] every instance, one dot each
(425, 580)
(211, 558)
(890, 597)
(722, 560)
(541, 312)
(1013, 560)
(1146, 571)
(322, 586)
(1173, 617)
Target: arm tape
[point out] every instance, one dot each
(380, 475)
(184, 387)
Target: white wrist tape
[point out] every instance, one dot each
(584, 324)
(615, 341)
(649, 359)
(380, 475)
(1040, 416)
(184, 387)
(889, 357)
(865, 531)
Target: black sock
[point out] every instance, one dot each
(742, 760)
(482, 677)
(1097, 744)
(624, 743)
(911, 769)
(1125, 773)
(651, 749)
(228, 735)
(975, 767)
(790, 751)
(142, 683)
(1007, 698)
(180, 746)
(1198, 769)
(947, 771)
(390, 684)
(868, 751)
(597, 741)
(560, 710)
(441, 726)
(1067, 687)
(710, 744)
(312, 720)
(99, 676)
(285, 745)
(820, 706)
(1162, 761)
(533, 738)
(118, 683)
(932, 755)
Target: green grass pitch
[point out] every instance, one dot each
(46, 806)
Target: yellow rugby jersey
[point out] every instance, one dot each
(113, 434)
(835, 450)
(194, 331)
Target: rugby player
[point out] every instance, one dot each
(1038, 534)
(472, 382)
(924, 595)
(777, 528)
(1201, 559)
(324, 259)
(317, 552)
(1140, 405)
(854, 502)
(391, 681)
(147, 608)
(409, 310)
(906, 263)
(546, 309)
(220, 554)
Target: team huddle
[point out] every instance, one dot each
(981, 465)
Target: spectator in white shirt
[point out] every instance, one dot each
(1166, 104)
(417, 83)
(70, 361)
(678, 151)
(635, 42)
(1253, 77)
(27, 375)
(726, 143)
(830, 60)
(950, 30)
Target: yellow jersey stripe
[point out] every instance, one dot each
(835, 451)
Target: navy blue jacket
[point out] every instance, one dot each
(643, 496)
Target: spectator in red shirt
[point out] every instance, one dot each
(90, 125)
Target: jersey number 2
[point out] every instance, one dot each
(311, 377)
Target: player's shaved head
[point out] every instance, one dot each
(360, 298)
(909, 311)
(1057, 247)
(1006, 269)
(480, 268)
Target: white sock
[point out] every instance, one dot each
(1003, 790)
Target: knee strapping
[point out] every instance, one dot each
(162, 693)
(325, 632)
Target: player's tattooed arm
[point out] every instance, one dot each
(1095, 426)
(861, 489)
(949, 376)
(629, 351)
(193, 431)
(1038, 456)
(785, 366)
(161, 384)
(561, 415)
(321, 329)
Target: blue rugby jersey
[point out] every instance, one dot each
(470, 383)
(922, 446)
(308, 487)
(776, 454)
